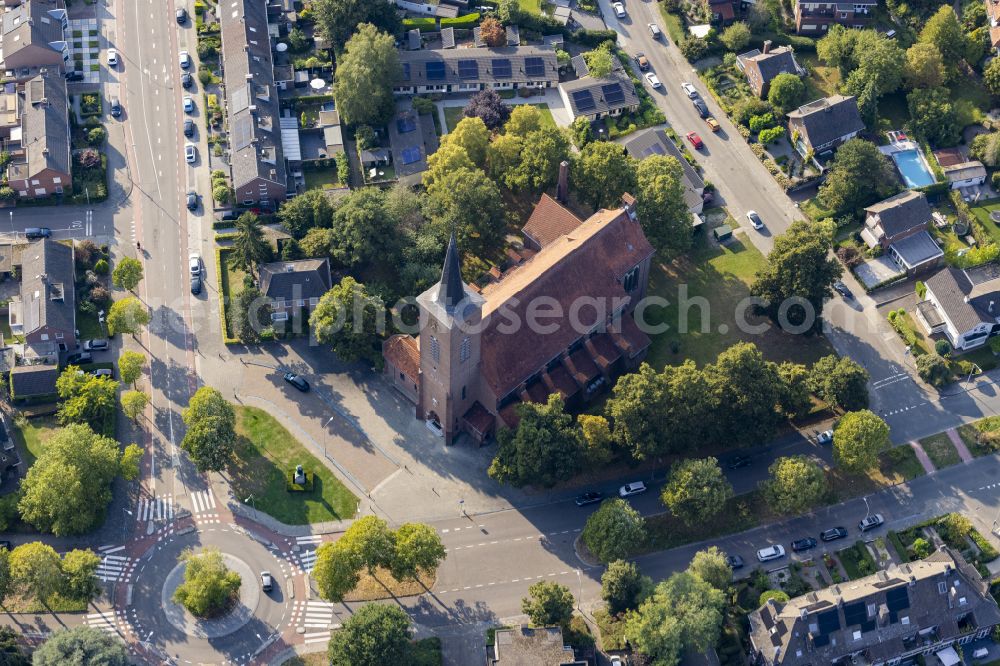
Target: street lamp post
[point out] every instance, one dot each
(972, 370)
(250, 500)
(125, 524)
(325, 426)
(868, 510)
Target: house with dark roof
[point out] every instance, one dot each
(294, 286)
(33, 381)
(931, 606)
(814, 17)
(760, 67)
(475, 69)
(656, 142)
(820, 126)
(964, 310)
(41, 158)
(594, 98)
(482, 352)
(45, 310)
(257, 161)
(33, 35)
(412, 140)
(899, 225)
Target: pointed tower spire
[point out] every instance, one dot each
(451, 289)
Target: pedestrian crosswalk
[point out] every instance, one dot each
(311, 538)
(114, 567)
(316, 618)
(305, 560)
(202, 501)
(318, 636)
(111, 621)
(155, 508)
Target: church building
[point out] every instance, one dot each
(559, 321)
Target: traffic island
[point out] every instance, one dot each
(220, 619)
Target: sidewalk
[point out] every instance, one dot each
(922, 456)
(963, 450)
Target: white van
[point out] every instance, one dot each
(981, 653)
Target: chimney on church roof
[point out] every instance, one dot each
(451, 289)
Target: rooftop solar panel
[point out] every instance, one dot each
(828, 621)
(406, 124)
(821, 640)
(654, 149)
(613, 93)
(502, 68)
(897, 599)
(534, 67)
(410, 155)
(855, 613)
(435, 70)
(583, 100)
(406, 71)
(468, 69)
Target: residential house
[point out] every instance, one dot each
(656, 142)
(761, 67)
(958, 169)
(899, 225)
(820, 126)
(723, 11)
(34, 35)
(960, 306)
(993, 16)
(814, 17)
(33, 381)
(257, 161)
(44, 312)
(430, 7)
(471, 70)
(41, 157)
(526, 646)
(926, 607)
(475, 367)
(294, 287)
(597, 97)
(412, 139)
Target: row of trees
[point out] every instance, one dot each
(36, 571)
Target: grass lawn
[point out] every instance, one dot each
(940, 450)
(970, 434)
(969, 99)
(857, 561)
(722, 274)
(319, 179)
(34, 435)
(57, 603)
(893, 112)
(454, 114)
(312, 659)
(230, 284)
(88, 325)
(823, 81)
(982, 213)
(383, 586)
(815, 211)
(673, 25)
(265, 455)
(530, 6)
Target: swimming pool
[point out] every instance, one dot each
(913, 168)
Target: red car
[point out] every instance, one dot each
(694, 139)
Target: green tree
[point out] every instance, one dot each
(840, 382)
(250, 248)
(924, 66)
(749, 390)
(418, 549)
(127, 315)
(603, 172)
(595, 433)
(211, 430)
(622, 586)
(503, 160)
(337, 20)
(735, 37)
(991, 78)
(10, 650)
(365, 74)
(836, 49)
(347, 318)
(372, 542)
(524, 119)
(6, 586)
(711, 566)
(129, 464)
(68, 488)
(795, 399)
(858, 176)
(858, 440)
(786, 92)
(694, 48)
(209, 586)
(79, 574)
(600, 63)
(986, 147)
(250, 314)
(581, 131)
(683, 613)
(614, 531)
(374, 635)
(127, 273)
(868, 104)
(35, 570)
(86, 399)
(933, 116)
(796, 485)
(134, 404)
(539, 167)
(468, 202)
(337, 570)
(548, 604)
(447, 159)
(362, 230)
(933, 369)
(660, 205)
(81, 646)
(944, 31)
(543, 450)
(696, 491)
(880, 60)
(473, 136)
(307, 211)
(130, 365)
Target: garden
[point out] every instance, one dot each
(955, 530)
(982, 437)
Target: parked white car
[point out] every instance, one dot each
(190, 153)
(689, 90)
(112, 57)
(653, 81)
(619, 9)
(654, 30)
(634, 488)
(775, 552)
(185, 60)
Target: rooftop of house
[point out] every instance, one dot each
(917, 249)
(403, 351)
(588, 95)
(295, 280)
(548, 221)
(524, 646)
(29, 380)
(44, 126)
(771, 62)
(32, 23)
(828, 119)
(508, 64)
(656, 142)
(885, 615)
(901, 213)
(48, 294)
(965, 303)
(412, 139)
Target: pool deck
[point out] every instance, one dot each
(911, 180)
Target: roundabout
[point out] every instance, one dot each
(244, 606)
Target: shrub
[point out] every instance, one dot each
(921, 290)
(778, 595)
(921, 548)
(7, 193)
(995, 179)
(97, 136)
(771, 135)
(101, 267)
(205, 76)
(694, 48)
(849, 255)
(88, 158)
(761, 122)
(942, 347)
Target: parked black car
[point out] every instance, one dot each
(74, 76)
(800, 545)
(591, 497)
(833, 534)
(700, 107)
(182, 16)
(188, 127)
(196, 284)
(734, 562)
(296, 381)
(737, 462)
(191, 199)
(79, 358)
(186, 80)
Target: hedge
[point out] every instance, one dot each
(226, 340)
(467, 21)
(986, 550)
(421, 23)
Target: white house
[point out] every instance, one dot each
(965, 312)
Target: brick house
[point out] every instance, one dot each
(45, 311)
(41, 157)
(814, 17)
(899, 225)
(33, 35)
(760, 67)
(294, 287)
(820, 126)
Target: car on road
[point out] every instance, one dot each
(34, 233)
(695, 140)
(185, 60)
(266, 582)
(187, 80)
(196, 284)
(736, 462)
(188, 127)
(79, 358)
(800, 545)
(653, 81)
(842, 289)
(112, 57)
(734, 561)
(640, 59)
(775, 552)
(96, 345)
(634, 488)
(619, 9)
(191, 200)
(700, 107)
(102, 372)
(194, 263)
(713, 124)
(296, 381)
(689, 90)
(833, 534)
(654, 30)
(182, 15)
(188, 104)
(74, 76)
(825, 437)
(590, 497)
(190, 153)
(755, 220)
(116, 107)
(871, 522)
